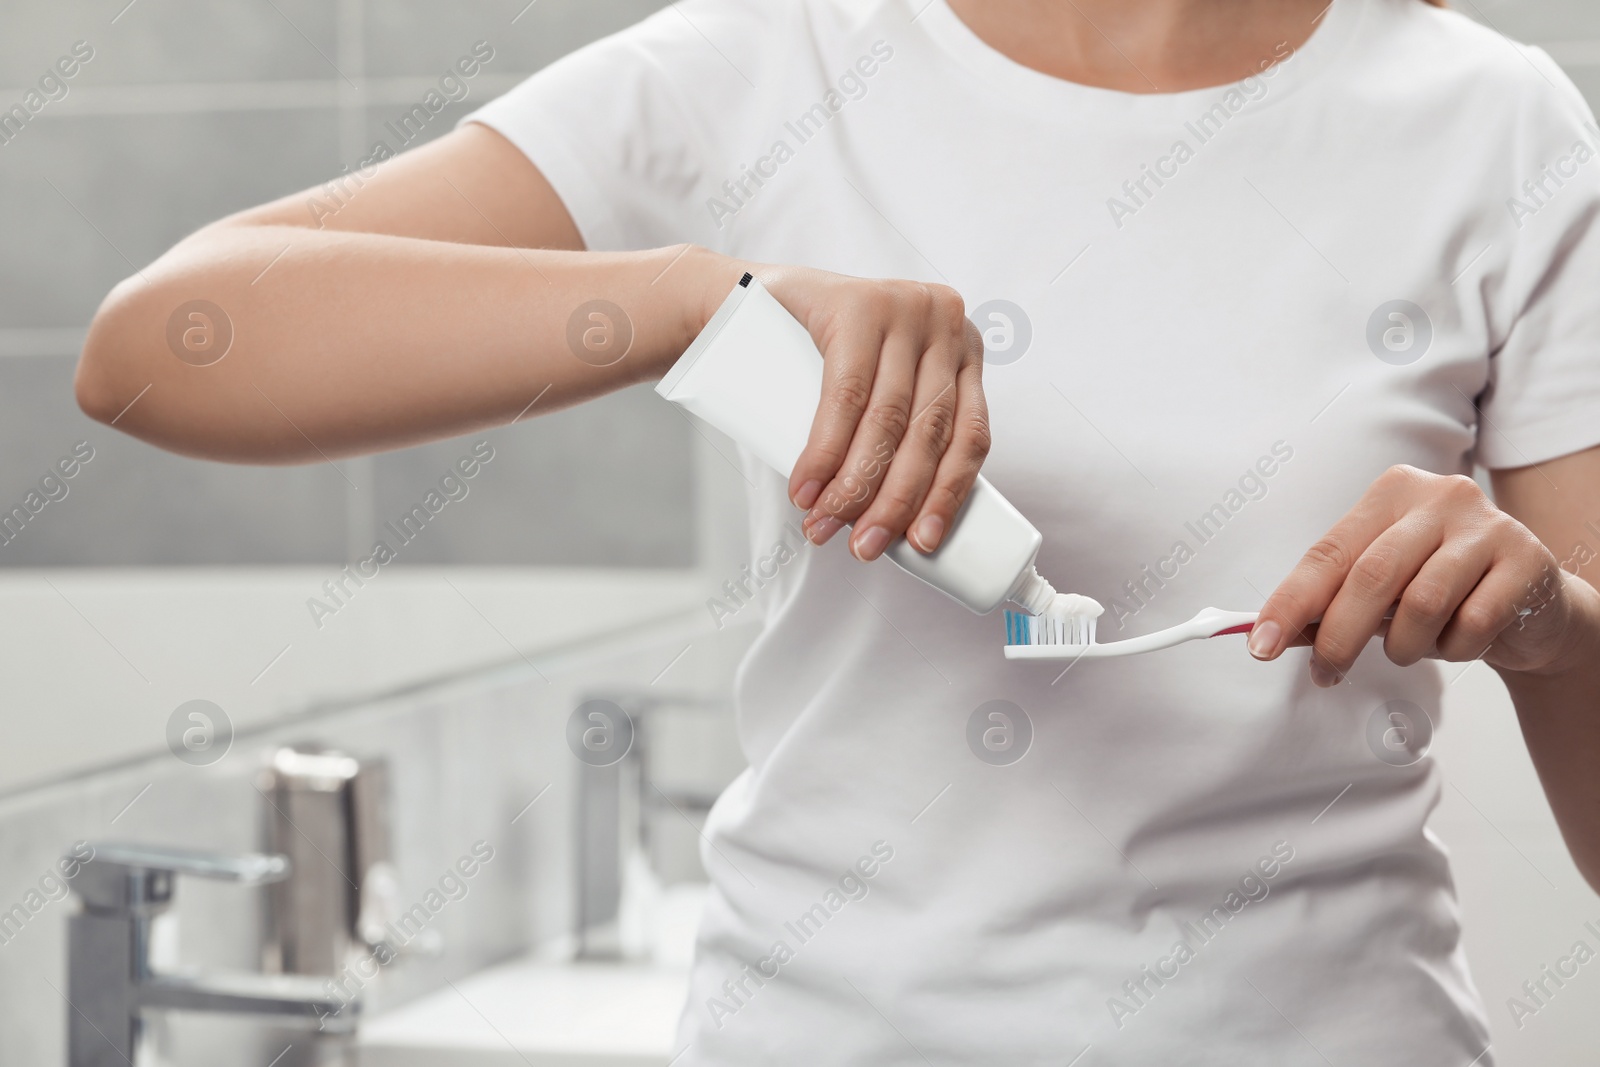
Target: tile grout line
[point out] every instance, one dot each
(349, 46)
(162, 98)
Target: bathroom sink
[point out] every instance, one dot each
(540, 1011)
(535, 1014)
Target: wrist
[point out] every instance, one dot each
(696, 281)
(1578, 647)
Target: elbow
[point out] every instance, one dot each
(94, 386)
(131, 377)
(90, 391)
(140, 370)
(1588, 864)
(109, 360)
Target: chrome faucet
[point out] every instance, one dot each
(110, 978)
(614, 811)
(328, 813)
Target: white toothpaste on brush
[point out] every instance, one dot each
(755, 374)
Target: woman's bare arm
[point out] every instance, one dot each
(1560, 709)
(450, 291)
(434, 302)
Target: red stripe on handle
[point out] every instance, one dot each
(1242, 628)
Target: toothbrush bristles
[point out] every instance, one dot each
(1024, 629)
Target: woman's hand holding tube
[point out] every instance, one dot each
(902, 427)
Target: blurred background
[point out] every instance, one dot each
(429, 712)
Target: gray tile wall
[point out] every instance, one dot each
(132, 504)
(1536, 21)
(157, 41)
(190, 110)
(570, 488)
(87, 200)
(542, 32)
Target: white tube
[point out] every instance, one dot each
(755, 374)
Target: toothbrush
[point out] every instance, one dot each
(1043, 637)
(1066, 631)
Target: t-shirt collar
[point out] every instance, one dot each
(1001, 74)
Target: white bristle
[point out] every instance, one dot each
(1070, 620)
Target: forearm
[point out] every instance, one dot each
(1559, 710)
(357, 342)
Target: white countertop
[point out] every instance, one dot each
(535, 1015)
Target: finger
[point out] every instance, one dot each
(1375, 580)
(1310, 588)
(963, 456)
(849, 369)
(874, 444)
(1484, 615)
(1308, 636)
(915, 461)
(1432, 597)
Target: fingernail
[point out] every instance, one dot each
(1264, 639)
(1323, 675)
(929, 530)
(822, 529)
(870, 543)
(808, 494)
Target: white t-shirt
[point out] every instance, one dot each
(1238, 306)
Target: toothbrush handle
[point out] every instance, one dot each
(1214, 622)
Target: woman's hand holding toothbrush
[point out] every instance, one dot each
(1462, 579)
(903, 427)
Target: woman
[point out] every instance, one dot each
(1274, 273)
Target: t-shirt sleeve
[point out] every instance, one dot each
(1543, 398)
(630, 129)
